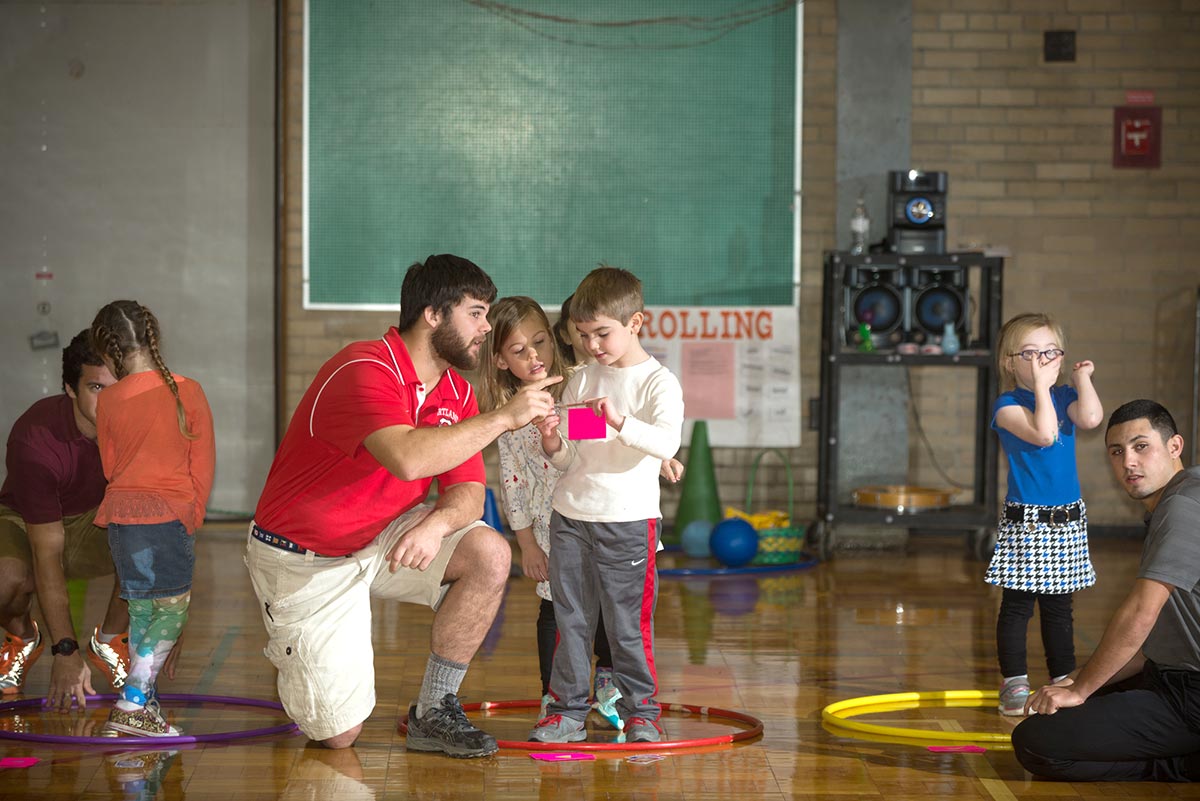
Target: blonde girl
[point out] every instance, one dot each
(1041, 554)
(521, 349)
(155, 433)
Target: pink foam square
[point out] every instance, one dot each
(583, 423)
(957, 749)
(560, 756)
(18, 762)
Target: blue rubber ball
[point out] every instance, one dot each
(695, 539)
(734, 542)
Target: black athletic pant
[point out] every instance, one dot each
(1144, 730)
(547, 634)
(1058, 632)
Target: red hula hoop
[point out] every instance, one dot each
(755, 729)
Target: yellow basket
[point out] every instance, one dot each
(779, 541)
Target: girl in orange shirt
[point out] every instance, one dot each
(155, 433)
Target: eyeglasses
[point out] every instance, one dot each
(1047, 355)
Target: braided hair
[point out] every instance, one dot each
(124, 327)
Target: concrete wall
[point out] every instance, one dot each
(137, 159)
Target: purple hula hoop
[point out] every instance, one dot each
(183, 739)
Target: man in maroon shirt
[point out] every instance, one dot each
(47, 503)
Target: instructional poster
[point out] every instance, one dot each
(739, 367)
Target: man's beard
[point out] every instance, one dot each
(450, 348)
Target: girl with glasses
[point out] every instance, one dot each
(1041, 554)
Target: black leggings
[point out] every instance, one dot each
(1058, 632)
(547, 638)
(1145, 729)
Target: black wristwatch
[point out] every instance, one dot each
(64, 647)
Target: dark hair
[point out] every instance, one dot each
(562, 335)
(608, 291)
(1158, 416)
(441, 283)
(124, 327)
(75, 356)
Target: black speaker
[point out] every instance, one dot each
(937, 295)
(910, 241)
(875, 294)
(917, 211)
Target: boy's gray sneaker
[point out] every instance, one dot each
(445, 728)
(640, 730)
(558, 729)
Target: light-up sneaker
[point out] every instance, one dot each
(110, 657)
(16, 657)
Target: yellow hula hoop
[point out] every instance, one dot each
(837, 714)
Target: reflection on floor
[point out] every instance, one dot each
(778, 647)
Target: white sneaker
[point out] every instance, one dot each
(1013, 695)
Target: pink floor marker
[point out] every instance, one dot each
(18, 762)
(583, 423)
(957, 749)
(566, 756)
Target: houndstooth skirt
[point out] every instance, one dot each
(1043, 557)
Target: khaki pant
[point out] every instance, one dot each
(85, 549)
(317, 611)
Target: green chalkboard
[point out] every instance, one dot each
(539, 146)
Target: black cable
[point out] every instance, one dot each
(912, 405)
(722, 24)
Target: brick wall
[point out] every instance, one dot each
(310, 337)
(1028, 146)
(1028, 149)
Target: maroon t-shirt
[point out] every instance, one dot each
(54, 471)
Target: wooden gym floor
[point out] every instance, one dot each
(779, 647)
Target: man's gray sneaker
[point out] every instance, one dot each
(445, 728)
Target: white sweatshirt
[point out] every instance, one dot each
(615, 480)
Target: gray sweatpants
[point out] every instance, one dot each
(609, 567)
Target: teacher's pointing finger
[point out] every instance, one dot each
(545, 382)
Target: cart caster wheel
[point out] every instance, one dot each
(820, 540)
(983, 542)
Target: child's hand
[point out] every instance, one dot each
(535, 564)
(1044, 373)
(603, 407)
(671, 470)
(1083, 369)
(172, 662)
(548, 425)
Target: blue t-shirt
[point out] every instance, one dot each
(1041, 476)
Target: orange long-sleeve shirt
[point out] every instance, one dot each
(155, 474)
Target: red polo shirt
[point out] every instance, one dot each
(325, 491)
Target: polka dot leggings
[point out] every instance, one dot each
(154, 627)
